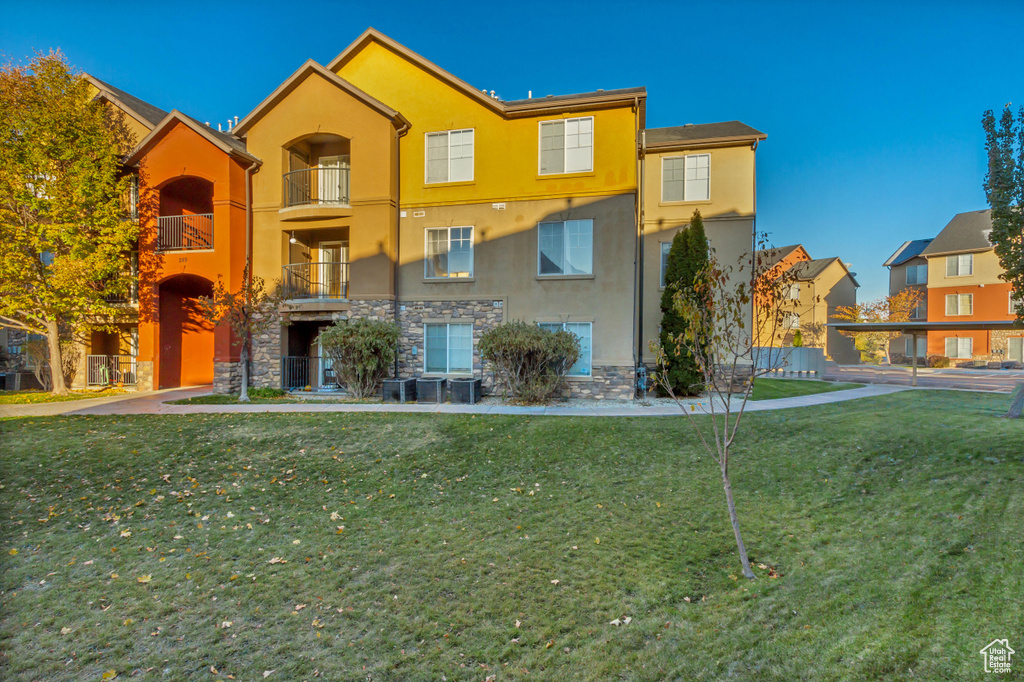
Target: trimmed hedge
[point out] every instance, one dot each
(531, 361)
(362, 353)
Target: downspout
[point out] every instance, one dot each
(399, 134)
(248, 253)
(753, 246)
(638, 260)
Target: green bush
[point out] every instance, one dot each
(938, 361)
(266, 392)
(362, 352)
(532, 362)
(798, 339)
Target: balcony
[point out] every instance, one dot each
(185, 232)
(110, 370)
(305, 281)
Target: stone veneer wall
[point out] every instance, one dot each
(998, 341)
(227, 378)
(144, 375)
(613, 382)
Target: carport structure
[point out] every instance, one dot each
(916, 329)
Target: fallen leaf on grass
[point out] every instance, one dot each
(65, 631)
(299, 607)
(109, 675)
(227, 624)
(555, 582)
(144, 578)
(615, 622)
(518, 623)
(13, 552)
(267, 673)
(126, 533)
(277, 560)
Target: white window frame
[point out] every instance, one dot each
(448, 230)
(686, 197)
(917, 270)
(664, 260)
(958, 298)
(1009, 355)
(589, 350)
(791, 321)
(565, 145)
(958, 343)
(448, 146)
(565, 248)
(793, 292)
(448, 348)
(960, 260)
(1013, 307)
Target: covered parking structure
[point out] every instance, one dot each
(917, 329)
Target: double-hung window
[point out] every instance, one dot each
(1015, 348)
(791, 321)
(566, 248)
(1015, 305)
(962, 348)
(450, 156)
(686, 178)
(583, 332)
(960, 265)
(959, 304)
(447, 348)
(922, 347)
(920, 311)
(917, 274)
(794, 291)
(449, 253)
(567, 146)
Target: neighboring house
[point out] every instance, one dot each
(964, 284)
(908, 269)
(382, 186)
(818, 288)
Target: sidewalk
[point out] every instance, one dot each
(155, 403)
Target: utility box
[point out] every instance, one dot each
(399, 390)
(465, 391)
(431, 390)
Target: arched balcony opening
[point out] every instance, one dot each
(185, 221)
(317, 171)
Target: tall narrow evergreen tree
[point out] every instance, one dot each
(687, 256)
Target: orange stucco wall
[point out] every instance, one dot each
(184, 351)
(991, 302)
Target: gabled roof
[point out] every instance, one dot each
(908, 251)
(702, 134)
(293, 81)
(598, 97)
(808, 270)
(768, 258)
(965, 233)
(144, 112)
(223, 141)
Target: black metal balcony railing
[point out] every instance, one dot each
(298, 372)
(316, 280)
(185, 232)
(316, 186)
(110, 370)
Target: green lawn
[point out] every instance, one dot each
(32, 397)
(886, 532)
(219, 399)
(769, 389)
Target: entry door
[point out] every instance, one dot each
(1016, 349)
(333, 259)
(326, 378)
(333, 180)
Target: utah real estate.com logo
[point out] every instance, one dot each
(997, 656)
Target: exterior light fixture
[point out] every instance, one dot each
(293, 240)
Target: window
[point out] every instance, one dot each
(583, 331)
(447, 348)
(917, 274)
(686, 178)
(960, 266)
(449, 253)
(922, 346)
(792, 321)
(959, 348)
(1014, 305)
(567, 146)
(1015, 349)
(450, 156)
(920, 311)
(665, 248)
(794, 291)
(566, 248)
(959, 304)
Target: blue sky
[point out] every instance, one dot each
(872, 110)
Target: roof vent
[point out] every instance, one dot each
(600, 90)
(549, 95)
(687, 125)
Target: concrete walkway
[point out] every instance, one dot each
(156, 403)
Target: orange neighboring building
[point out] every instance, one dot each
(192, 215)
(965, 285)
